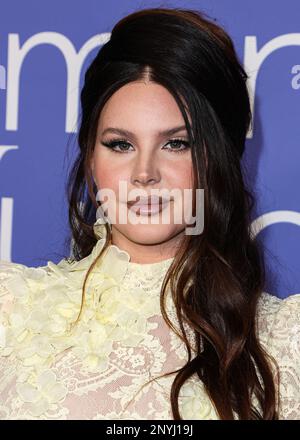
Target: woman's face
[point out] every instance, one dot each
(145, 159)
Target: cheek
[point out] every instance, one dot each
(180, 176)
(185, 178)
(107, 176)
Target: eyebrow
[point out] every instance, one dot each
(123, 132)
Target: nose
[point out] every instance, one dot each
(145, 170)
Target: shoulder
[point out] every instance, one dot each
(13, 281)
(31, 299)
(25, 286)
(279, 332)
(16, 278)
(17, 282)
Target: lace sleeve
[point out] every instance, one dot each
(280, 335)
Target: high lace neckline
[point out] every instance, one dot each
(165, 262)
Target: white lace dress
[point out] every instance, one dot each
(99, 368)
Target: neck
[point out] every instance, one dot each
(147, 253)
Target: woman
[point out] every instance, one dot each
(146, 321)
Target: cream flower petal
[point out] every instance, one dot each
(40, 407)
(25, 375)
(58, 327)
(17, 285)
(16, 320)
(96, 363)
(57, 393)
(81, 265)
(92, 360)
(46, 378)
(66, 310)
(35, 273)
(109, 266)
(33, 360)
(2, 336)
(28, 392)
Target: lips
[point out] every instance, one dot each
(147, 202)
(146, 206)
(148, 209)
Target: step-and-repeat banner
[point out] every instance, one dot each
(45, 48)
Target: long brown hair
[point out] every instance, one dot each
(218, 276)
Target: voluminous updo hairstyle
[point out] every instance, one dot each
(217, 278)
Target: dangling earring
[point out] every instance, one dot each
(99, 226)
(101, 219)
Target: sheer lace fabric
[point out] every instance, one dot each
(100, 369)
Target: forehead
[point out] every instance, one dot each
(144, 107)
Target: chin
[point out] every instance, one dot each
(150, 234)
